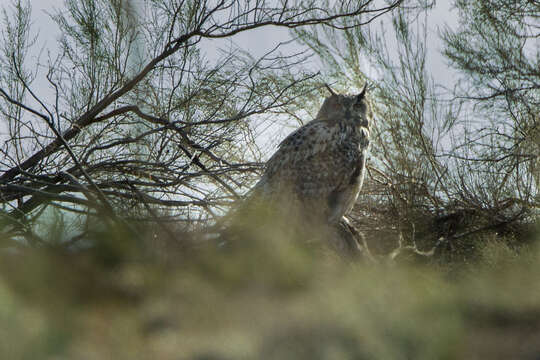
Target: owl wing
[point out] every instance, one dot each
(315, 162)
(306, 142)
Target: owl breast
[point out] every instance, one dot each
(353, 146)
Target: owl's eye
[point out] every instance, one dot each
(359, 104)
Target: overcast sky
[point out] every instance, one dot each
(256, 42)
(261, 40)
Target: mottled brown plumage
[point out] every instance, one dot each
(321, 165)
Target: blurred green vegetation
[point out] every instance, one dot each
(266, 300)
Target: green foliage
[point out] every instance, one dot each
(457, 164)
(495, 48)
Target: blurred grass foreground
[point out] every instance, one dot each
(265, 300)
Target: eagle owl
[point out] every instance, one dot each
(321, 165)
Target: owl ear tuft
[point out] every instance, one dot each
(330, 89)
(362, 94)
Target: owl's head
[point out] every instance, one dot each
(352, 108)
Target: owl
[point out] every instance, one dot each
(321, 165)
